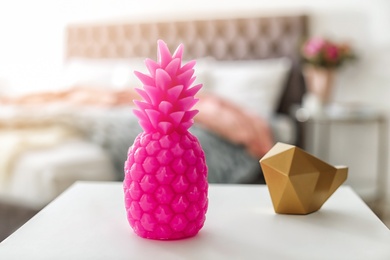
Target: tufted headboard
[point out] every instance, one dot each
(246, 38)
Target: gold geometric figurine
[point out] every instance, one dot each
(298, 182)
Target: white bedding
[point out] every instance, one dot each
(37, 170)
(43, 152)
(40, 175)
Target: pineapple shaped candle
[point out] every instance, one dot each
(165, 182)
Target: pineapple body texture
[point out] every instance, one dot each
(165, 182)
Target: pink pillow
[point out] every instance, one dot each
(235, 124)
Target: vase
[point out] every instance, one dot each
(319, 83)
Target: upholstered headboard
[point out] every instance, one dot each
(246, 38)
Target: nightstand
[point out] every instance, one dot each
(353, 136)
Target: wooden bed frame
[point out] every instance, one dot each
(247, 38)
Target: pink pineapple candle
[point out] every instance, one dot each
(165, 182)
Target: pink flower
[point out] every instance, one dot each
(331, 52)
(313, 47)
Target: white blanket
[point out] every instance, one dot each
(17, 140)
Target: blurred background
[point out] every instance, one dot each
(33, 35)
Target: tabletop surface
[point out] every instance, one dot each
(88, 221)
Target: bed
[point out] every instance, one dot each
(250, 68)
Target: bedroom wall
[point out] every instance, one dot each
(32, 35)
(32, 40)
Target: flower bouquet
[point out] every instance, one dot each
(321, 52)
(321, 57)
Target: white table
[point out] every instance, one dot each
(88, 221)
